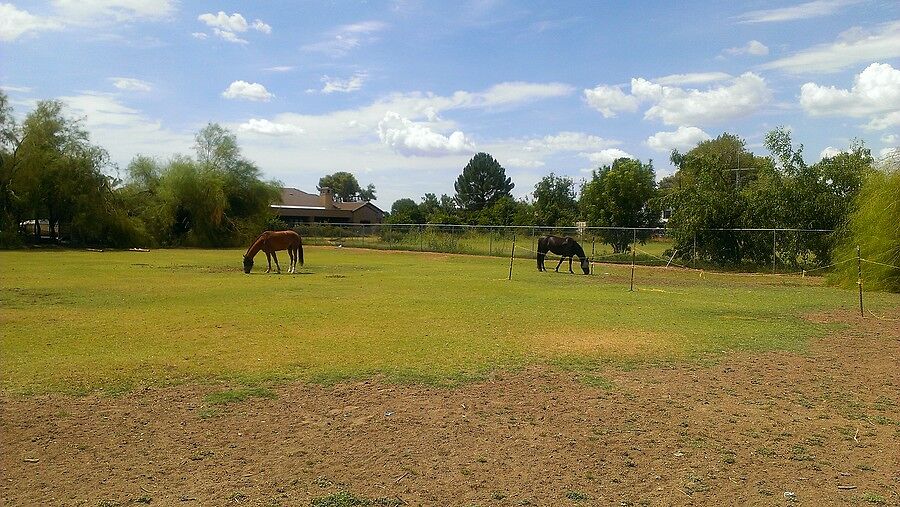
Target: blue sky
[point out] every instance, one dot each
(402, 93)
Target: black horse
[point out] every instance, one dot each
(564, 247)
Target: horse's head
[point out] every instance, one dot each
(585, 265)
(248, 264)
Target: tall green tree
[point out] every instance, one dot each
(217, 199)
(60, 177)
(482, 182)
(712, 190)
(621, 195)
(405, 211)
(873, 226)
(818, 196)
(554, 201)
(346, 188)
(10, 141)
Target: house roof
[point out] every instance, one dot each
(296, 197)
(293, 198)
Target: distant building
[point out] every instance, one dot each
(298, 206)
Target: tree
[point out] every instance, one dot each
(60, 178)
(820, 196)
(10, 141)
(346, 188)
(620, 195)
(874, 227)
(216, 147)
(710, 193)
(554, 201)
(219, 199)
(482, 182)
(405, 211)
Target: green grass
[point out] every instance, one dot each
(76, 321)
(497, 243)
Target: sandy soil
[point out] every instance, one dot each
(820, 428)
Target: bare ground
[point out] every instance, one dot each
(819, 428)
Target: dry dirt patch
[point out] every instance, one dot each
(820, 428)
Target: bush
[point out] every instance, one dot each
(874, 226)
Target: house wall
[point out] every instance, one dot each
(367, 215)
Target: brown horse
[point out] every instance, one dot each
(564, 247)
(269, 242)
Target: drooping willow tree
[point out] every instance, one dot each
(874, 227)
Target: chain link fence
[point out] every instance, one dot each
(769, 250)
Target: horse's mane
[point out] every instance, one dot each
(254, 242)
(578, 250)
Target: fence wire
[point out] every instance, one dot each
(776, 250)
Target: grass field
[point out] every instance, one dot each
(496, 243)
(77, 321)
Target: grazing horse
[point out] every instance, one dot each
(269, 242)
(564, 247)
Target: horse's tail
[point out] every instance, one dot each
(300, 249)
(541, 251)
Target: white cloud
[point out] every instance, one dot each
(343, 85)
(116, 10)
(682, 139)
(568, 141)
(228, 26)
(884, 122)
(829, 152)
(15, 23)
(853, 47)
(806, 10)
(259, 26)
(266, 127)
(754, 47)
(229, 36)
(199, 35)
(514, 92)
(678, 106)
(247, 91)
(232, 23)
(893, 153)
(100, 11)
(692, 78)
(280, 68)
(890, 139)
(875, 93)
(18, 89)
(131, 84)
(606, 157)
(124, 131)
(523, 163)
(609, 100)
(345, 38)
(409, 138)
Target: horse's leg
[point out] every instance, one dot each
(570, 266)
(559, 264)
(540, 261)
(290, 260)
(269, 260)
(277, 267)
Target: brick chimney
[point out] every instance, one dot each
(326, 197)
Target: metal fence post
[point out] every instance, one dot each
(512, 256)
(859, 280)
(774, 254)
(633, 250)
